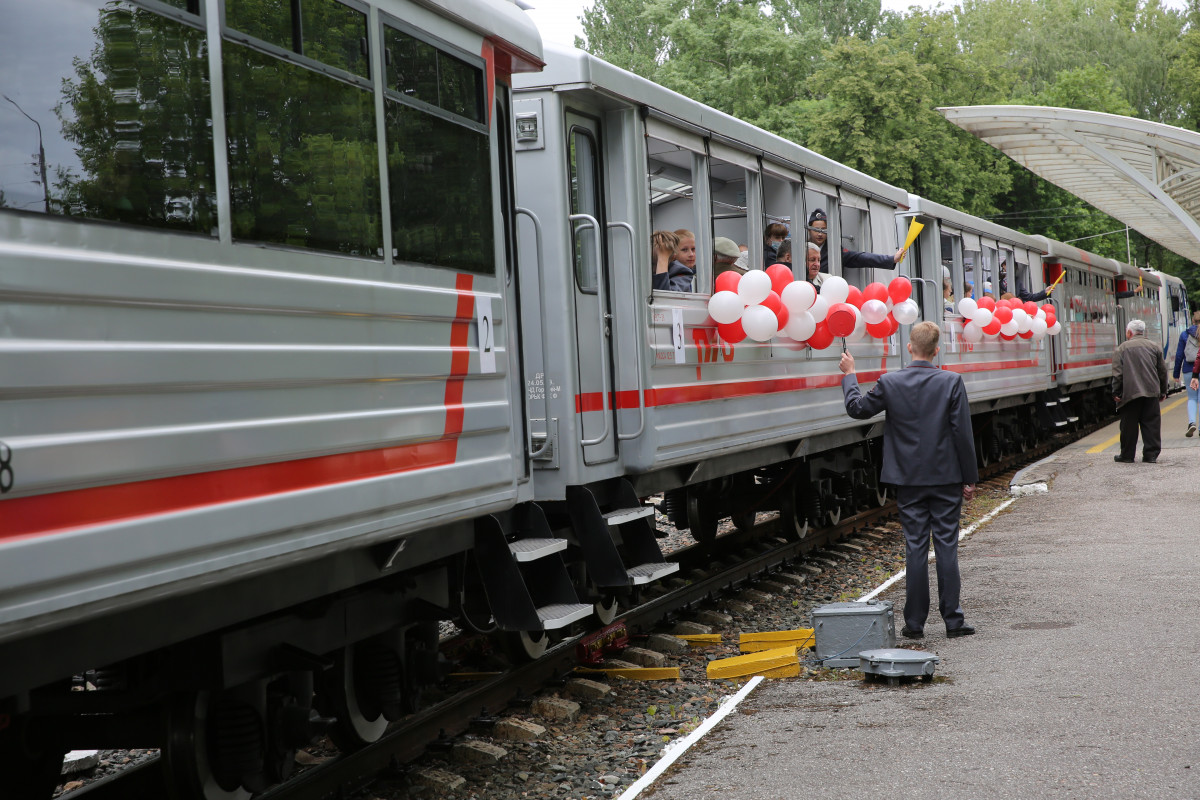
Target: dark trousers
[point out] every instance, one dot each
(931, 512)
(1141, 412)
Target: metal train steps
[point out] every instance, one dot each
(616, 535)
(559, 615)
(532, 549)
(645, 573)
(623, 515)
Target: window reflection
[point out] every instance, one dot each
(112, 122)
(303, 162)
(420, 71)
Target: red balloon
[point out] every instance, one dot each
(854, 297)
(893, 325)
(1008, 338)
(1002, 313)
(1030, 307)
(821, 337)
(727, 281)
(986, 302)
(731, 332)
(776, 305)
(1010, 302)
(1050, 319)
(1049, 309)
(841, 319)
(1026, 335)
(900, 289)
(875, 291)
(781, 276)
(879, 330)
(993, 327)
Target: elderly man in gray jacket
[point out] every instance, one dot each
(929, 456)
(1139, 384)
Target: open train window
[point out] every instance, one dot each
(951, 267)
(820, 229)
(855, 235)
(113, 121)
(783, 205)
(728, 209)
(670, 176)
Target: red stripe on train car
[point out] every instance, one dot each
(30, 516)
(989, 365)
(24, 517)
(1081, 364)
(699, 393)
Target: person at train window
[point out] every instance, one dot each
(726, 256)
(784, 254)
(1139, 384)
(812, 265)
(773, 236)
(818, 225)
(947, 296)
(669, 273)
(929, 456)
(1003, 270)
(1187, 352)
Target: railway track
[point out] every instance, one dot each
(754, 554)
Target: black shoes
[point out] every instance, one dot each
(909, 633)
(965, 630)
(1149, 460)
(1191, 431)
(1121, 460)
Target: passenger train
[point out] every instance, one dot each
(319, 329)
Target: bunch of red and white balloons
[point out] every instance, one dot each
(764, 303)
(1007, 319)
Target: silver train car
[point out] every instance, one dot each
(262, 405)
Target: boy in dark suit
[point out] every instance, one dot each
(929, 456)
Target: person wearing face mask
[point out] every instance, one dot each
(851, 259)
(773, 236)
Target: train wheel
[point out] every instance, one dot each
(701, 520)
(744, 520)
(213, 743)
(881, 495)
(364, 678)
(28, 770)
(834, 515)
(526, 645)
(793, 516)
(606, 608)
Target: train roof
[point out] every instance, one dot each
(500, 21)
(573, 68)
(966, 221)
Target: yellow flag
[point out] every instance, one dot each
(914, 228)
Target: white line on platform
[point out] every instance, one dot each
(962, 534)
(680, 746)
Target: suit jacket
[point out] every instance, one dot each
(927, 436)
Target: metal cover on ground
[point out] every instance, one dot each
(897, 662)
(843, 630)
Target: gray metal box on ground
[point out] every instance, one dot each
(843, 630)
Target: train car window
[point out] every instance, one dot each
(1022, 279)
(326, 31)
(303, 161)
(972, 272)
(990, 262)
(419, 71)
(1004, 273)
(669, 171)
(951, 266)
(818, 229)
(779, 206)
(438, 157)
(855, 235)
(727, 213)
(114, 121)
(585, 199)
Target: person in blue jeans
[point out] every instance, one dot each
(1185, 354)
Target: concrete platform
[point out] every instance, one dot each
(1082, 682)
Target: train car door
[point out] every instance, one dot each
(593, 317)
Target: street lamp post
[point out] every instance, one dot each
(41, 152)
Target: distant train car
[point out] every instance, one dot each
(1175, 315)
(258, 364)
(957, 256)
(634, 381)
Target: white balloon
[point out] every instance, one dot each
(967, 307)
(1038, 326)
(874, 311)
(759, 322)
(799, 296)
(860, 328)
(906, 313)
(834, 289)
(972, 333)
(1009, 328)
(1041, 313)
(1023, 320)
(820, 308)
(1055, 328)
(753, 288)
(800, 326)
(725, 307)
(982, 317)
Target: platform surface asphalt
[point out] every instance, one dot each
(1083, 680)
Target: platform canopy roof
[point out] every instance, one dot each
(1145, 174)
